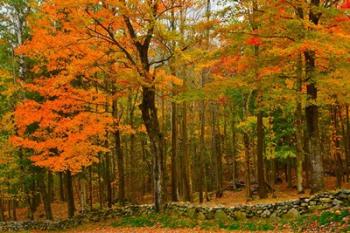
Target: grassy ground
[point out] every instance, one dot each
(327, 221)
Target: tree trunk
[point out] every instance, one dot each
(344, 143)
(219, 167)
(234, 151)
(311, 114)
(14, 210)
(336, 143)
(70, 195)
(311, 111)
(247, 163)
(45, 196)
(174, 189)
(186, 175)
(289, 172)
(120, 156)
(299, 129)
(61, 184)
(202, 177)
(260, 156)
(108, 180)
(90, 189)
(2, 216)
(151, 121)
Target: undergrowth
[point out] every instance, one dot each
(326, 221)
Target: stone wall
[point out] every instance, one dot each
(321, 201)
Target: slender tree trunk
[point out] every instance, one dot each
(70, 194)
(100, 188)
(345, 143)
(186, 160)
(219, 167)
(289, 172)
(14, 210)
(120, 156)
(336, 143)
(202, 177)
(45, 196)
(108, 180)
(299, 129)
(61, 184)
(247, 164)
(50, 188)
(174, 189)
(260, 156)
(2, 216)
(90, 189)
(234, 151)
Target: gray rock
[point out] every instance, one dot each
(292, 214)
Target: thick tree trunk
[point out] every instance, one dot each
(311, 114)
(70, 194)
(151, 121)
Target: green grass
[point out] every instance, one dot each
(328, 217)
(175, 221)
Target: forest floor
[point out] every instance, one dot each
(322, 222)
(229, 198)
(163, 224)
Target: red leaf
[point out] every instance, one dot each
(254, 41)
(345, 5)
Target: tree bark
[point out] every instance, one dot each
(186, 160)
(311, 114)
(120, 155)
(311, 111)
(247, 164)
(45, 196)
(70, 194)
(299, 128)
(260, 156)
(151, 121)
(61, 186)
(174, 189)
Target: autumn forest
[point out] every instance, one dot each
(108, 103)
